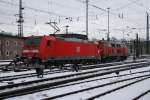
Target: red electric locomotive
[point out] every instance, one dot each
(113, 50)
(59, 49)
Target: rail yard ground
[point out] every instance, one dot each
(125, 80)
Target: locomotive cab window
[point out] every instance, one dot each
(48, 43)
(33, 41)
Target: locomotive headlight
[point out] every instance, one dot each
(31, 51)
(25, 51)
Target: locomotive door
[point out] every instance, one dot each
(98, 50)
(49, 48)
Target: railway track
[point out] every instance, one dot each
(10, 91)
(141, 95)
(98, 79)
(132, 79)
(145, 77)
(82, 73)
(14, 77)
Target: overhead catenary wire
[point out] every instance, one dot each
(34, 9)
(44, 11)
(114, 14)
(141, 5)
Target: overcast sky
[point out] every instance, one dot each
(125, 16)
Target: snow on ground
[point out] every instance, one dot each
(129, 92)
(87, 94)
(66, 73)
(43, 94)
(33, 71)
(4, 63)
(5, 60)
(146, 97)
(53, 92)
(11, 73)
(35, 78)
(79, 96)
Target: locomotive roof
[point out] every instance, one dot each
(72, 35)
(113, 43)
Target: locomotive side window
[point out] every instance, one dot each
(48, 43)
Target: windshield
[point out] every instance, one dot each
(33, 41)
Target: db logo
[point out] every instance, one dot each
(77, 49)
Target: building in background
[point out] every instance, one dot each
(10, 46)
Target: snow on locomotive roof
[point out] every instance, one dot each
(113, 43)
(71, 36)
